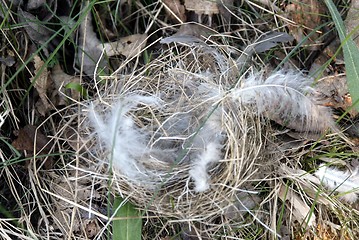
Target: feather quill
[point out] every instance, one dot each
(344, 182)
(287, 98)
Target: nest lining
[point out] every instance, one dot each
(166, 117)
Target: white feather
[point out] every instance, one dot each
(198, 171)
(343, 182)
(209, 142)
(285, 97)
(121, 137)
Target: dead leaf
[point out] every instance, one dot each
(33, 4)
(30, 139)
(271, 39)
(42, 84)
(60, 79)
(334, 92)
(8, 61)
(128, 46)
(75, 141)
(352, 20)
(298, 208)
(262, 44)
(92, 227)
(307, 16)
(330, 231)
(65, 188)
(237, 210)
(175, 11)
(202, 7)
(189, 33)
(90, 55)
(36, 31)
(225, 7)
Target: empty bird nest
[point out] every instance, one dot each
(189, 138)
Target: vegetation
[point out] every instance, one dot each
(95, 94)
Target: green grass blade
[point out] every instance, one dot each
(128, 223)
(351, 54)
(77, 87)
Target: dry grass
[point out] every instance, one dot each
(259, 189)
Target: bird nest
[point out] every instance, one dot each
(188, 137)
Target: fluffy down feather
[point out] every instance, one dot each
(287, 98)
(209, 142)
(343, 182)
(119, 134)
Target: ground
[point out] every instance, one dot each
(288, 158)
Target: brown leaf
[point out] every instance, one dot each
(306, 16)
(65, 188)
(334, 91)
(60, 79)
(128, 46)
(352, 20)
(28, 139)
(225, 7)
(202, 7)
(175, 11)
(208, 7)
(42, 83)
(36, 31)
(92, 227)
(271, 39)
(90, 54)
(75, 141)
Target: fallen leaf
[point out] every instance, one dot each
(271, 39)
(330, 231)
(65, 188)
(262, 44)
(42, 83)
(189, 33)
(92, 227)
(128, 46)
(60, 79)
(175, 11)
(8, 61)
(307, 16)
(33, 141)
(33, 26)
(352, 20)
(334, 93)
(202, 7)
(33, 4)
(90, 55)
(74, 139)
(225, 7)
(208, 7)
(30, 139)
